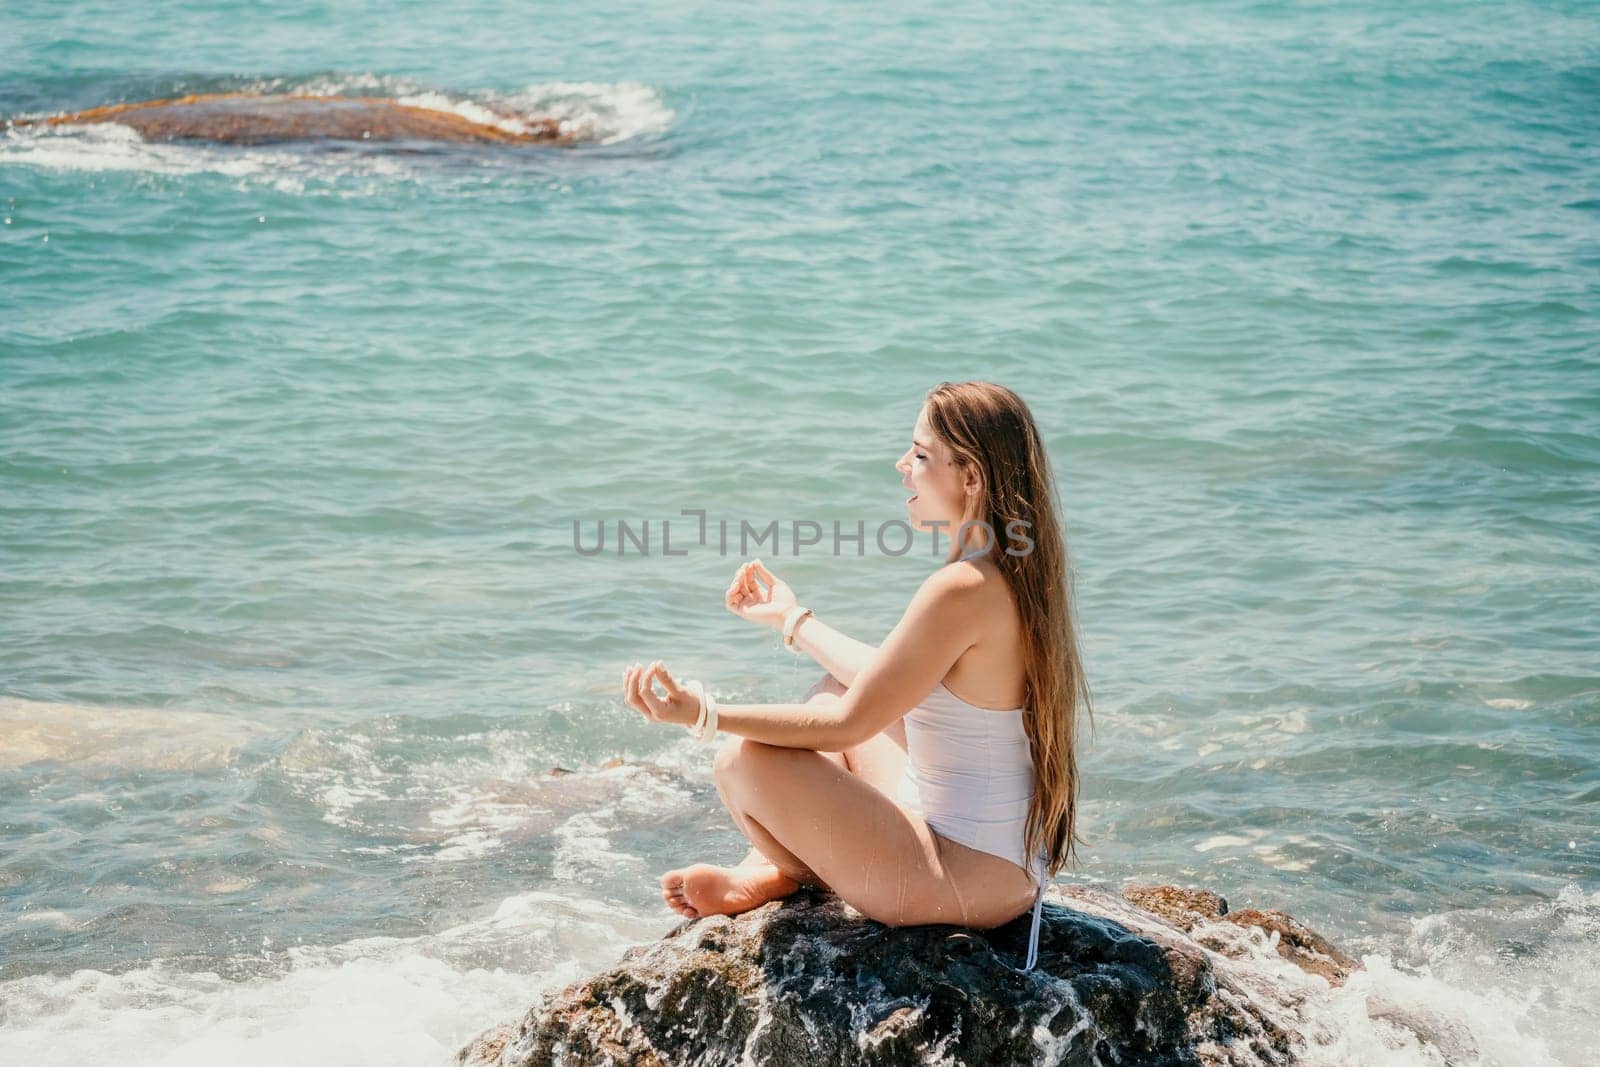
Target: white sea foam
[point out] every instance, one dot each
(1493, 988)
(1487, 987)
(585, 854)
(339, 772)
(1226, 841)
(475, 822)
(110, 147)
(336, 83)
(604, 112)
(467, 109)
(373, 1001)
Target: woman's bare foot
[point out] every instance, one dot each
(702, 889)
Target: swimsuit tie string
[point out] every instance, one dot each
(1033, 932)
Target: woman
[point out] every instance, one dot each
(932, 779)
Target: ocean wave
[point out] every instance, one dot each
(1488, 987)
(375, 1000)
(108, 147)
(603, 112)
(462, 795)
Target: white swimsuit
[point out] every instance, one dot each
(969, 774)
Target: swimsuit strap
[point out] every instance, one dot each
(1033, 933)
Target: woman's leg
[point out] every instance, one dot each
(756, 857)
(822, 690)
(879, 857)
(769, 870)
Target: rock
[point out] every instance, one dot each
(1300, 945)
(257, 118)
(487, 1046)
(808, 980)
(1183, 908)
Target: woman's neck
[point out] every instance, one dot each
(976, 543)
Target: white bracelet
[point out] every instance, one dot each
(705, 724)
(709, 731)
(791, 620)
(699, 692)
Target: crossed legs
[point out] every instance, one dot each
(708, 889)
(825, 819)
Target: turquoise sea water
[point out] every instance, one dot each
(292, 439)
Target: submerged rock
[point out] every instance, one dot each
(261, 118)
(1159, 975)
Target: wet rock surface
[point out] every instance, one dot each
(256, 118)
(1155, 975)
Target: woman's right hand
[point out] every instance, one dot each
(748, 600)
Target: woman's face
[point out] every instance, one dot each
(936, 485)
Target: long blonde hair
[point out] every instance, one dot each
(988, 428)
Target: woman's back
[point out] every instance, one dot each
(993, 672)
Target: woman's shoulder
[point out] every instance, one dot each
(983, 606)
(971, 581)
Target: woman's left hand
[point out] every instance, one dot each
(680, 706)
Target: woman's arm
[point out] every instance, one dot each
(940, 624)
(842, 655)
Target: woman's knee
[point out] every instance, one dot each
(734, 753)
(727, 756)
